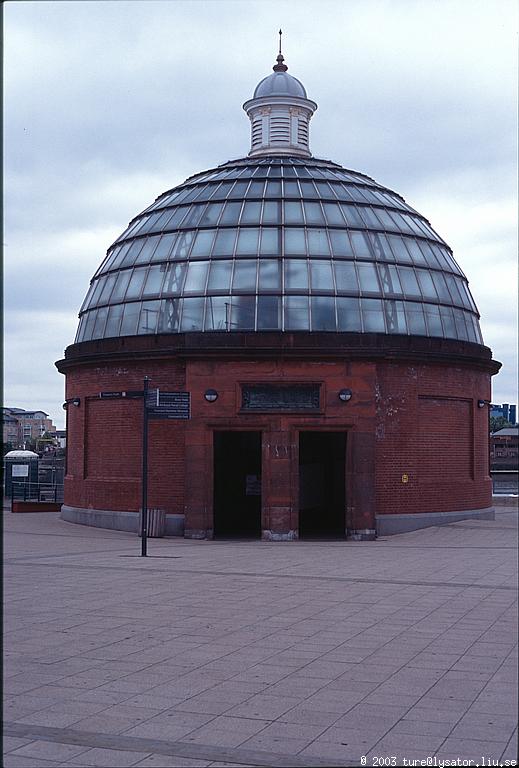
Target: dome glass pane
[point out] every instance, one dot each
(279, 243)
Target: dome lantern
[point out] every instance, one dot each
(280, 114)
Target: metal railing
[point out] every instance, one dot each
(28, 491)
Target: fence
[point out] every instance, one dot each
(505, 481)
(26, 491)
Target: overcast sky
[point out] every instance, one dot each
(108, 104)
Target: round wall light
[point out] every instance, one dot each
(72, 401)
(482, 403)
(211, 395)
(345, 395)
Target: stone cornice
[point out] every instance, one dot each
(301, 345)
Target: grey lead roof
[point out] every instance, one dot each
(279, 243)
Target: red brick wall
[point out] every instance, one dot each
(421, 421)
(430, 429)
(105, 440)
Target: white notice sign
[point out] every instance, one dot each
(20, 470)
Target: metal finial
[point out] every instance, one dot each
(280, 66)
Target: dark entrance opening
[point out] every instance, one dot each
(322, 485)
(237, 484)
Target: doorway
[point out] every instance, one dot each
(322, 484)
(237, 484)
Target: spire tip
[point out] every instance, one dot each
(280, 66)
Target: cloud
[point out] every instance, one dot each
(109, 104)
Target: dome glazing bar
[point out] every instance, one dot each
(279, 244)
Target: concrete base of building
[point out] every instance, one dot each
(267, 535)
(361, 534)
(388, 525)
(198, 533)
(117, 520)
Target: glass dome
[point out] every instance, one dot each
(279, 244)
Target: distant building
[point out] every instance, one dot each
(10, 429)
(21, 426)
(504, 448)
(507, 411)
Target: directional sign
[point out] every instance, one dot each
(168, 405)
(124, 393)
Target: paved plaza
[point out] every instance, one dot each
(258, 654)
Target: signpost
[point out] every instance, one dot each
(144, 515)
(156, 405)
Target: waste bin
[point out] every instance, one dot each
(156, 523)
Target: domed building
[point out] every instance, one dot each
(319, 334)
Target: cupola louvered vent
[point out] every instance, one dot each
(302, 132)
(257, 130)
(279, 129)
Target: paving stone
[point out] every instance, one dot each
(22, 761)
(102, 723)
(334, 700)
(50, 750)
(283, 730)
(335, 754)
(305, 715)
(358, 734)
(171, 725)
(109, 698)
(56, 719)
(13, 742)
(228, 765)
(419, 727)
(167, 761)
(105, 758)
(226, 731)
(403, 745)
(264, 706)
(493, 728)
(470, 749)
(449, 704)
(511, 750)
(278, 744)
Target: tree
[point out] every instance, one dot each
(498, 422)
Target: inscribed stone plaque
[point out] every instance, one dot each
(273, 397)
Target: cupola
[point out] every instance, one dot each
(280, 114)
